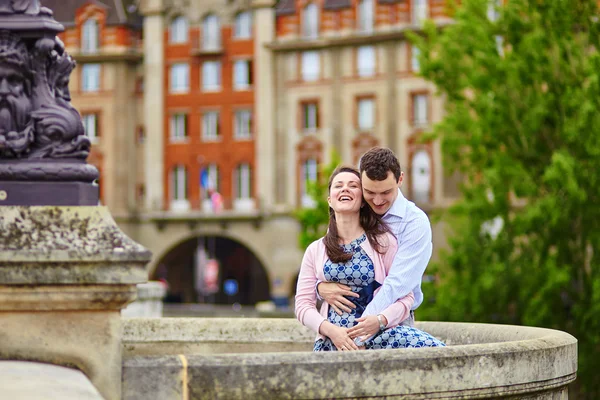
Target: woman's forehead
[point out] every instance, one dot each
(346, 177)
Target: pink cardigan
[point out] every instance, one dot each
(311, 270)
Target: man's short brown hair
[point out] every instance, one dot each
(377, 162)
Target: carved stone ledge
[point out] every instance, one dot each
(66, 297)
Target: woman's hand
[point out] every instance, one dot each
(366, 327)
(339, 336)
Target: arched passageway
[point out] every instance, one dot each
(213, 270)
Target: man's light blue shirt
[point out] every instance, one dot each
(412, 229)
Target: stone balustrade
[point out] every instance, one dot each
(220, 358)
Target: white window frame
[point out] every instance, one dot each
(242, 79)
(179, 188)
(179, 30)
(420, 11)
(310, 21)
(243, 181)
(90, 126)
(242, 122)
(309, 173)
(90, 36)
(310, 117)
(178, 127)
(179, 78)
(421, 184)
(211, 33)
(365, 117)
(311, 66)
(420, 110)
(366, 16)
(415, 65)
(211, 126)
(243, 25)
(90, 77)
(366, 61)
(211, 76)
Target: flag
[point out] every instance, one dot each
(208, 184)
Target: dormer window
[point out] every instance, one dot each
(211, 32)
(310, 22)
(89, 36)
(179, 30)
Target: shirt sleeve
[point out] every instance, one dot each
(306, 295)
(408, 266)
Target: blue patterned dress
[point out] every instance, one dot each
(359, 274)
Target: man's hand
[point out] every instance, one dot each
(366, 328)
(333, 293)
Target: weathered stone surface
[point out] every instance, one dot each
(87, 340)
(65, 245)
(149, 301)
(21, 380)
(481, 361)
(155, 378)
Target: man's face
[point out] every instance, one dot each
(380, 195)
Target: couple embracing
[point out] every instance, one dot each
(367, 269)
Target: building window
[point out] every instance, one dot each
(179, 30)
(366, 114)
(366, 61)
(311, 66)
(179, 190)
(90, 126)
(89, 36)
(310, 21)
(243, 25)
(415, 66)
(243, 124)
(420, 110)
(420, 177)
(211, 33)
(178, 127)
(180, 78)
(310, 117)
(308, 175)
(243, 184)
(493, 10)
(90, 77)
(210, 126)
(419, 11)
(365, 16)
(242, 74)
(211, 76)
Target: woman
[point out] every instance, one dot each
(356, 251)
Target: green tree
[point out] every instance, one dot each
(313, 220)
(522, 126)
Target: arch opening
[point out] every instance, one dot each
(213, 270)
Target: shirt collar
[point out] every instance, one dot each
(398, 208)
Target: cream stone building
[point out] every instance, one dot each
(255, 95)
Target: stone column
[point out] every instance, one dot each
(65, 274)
(264, 93)
(66, 270)
(154, 101)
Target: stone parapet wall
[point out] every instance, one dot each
(272, 359)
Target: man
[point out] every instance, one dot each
(381, 181)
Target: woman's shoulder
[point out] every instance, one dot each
(315, 245)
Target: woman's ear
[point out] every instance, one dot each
(329, 201)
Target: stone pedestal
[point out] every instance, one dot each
(65, 275)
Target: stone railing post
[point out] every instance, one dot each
(66, 269)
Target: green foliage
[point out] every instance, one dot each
(314, 220)
(522, 126)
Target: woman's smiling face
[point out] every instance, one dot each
(345, 194)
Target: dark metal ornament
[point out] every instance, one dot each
(42, 139)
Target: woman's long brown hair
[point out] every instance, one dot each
(372, 224)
